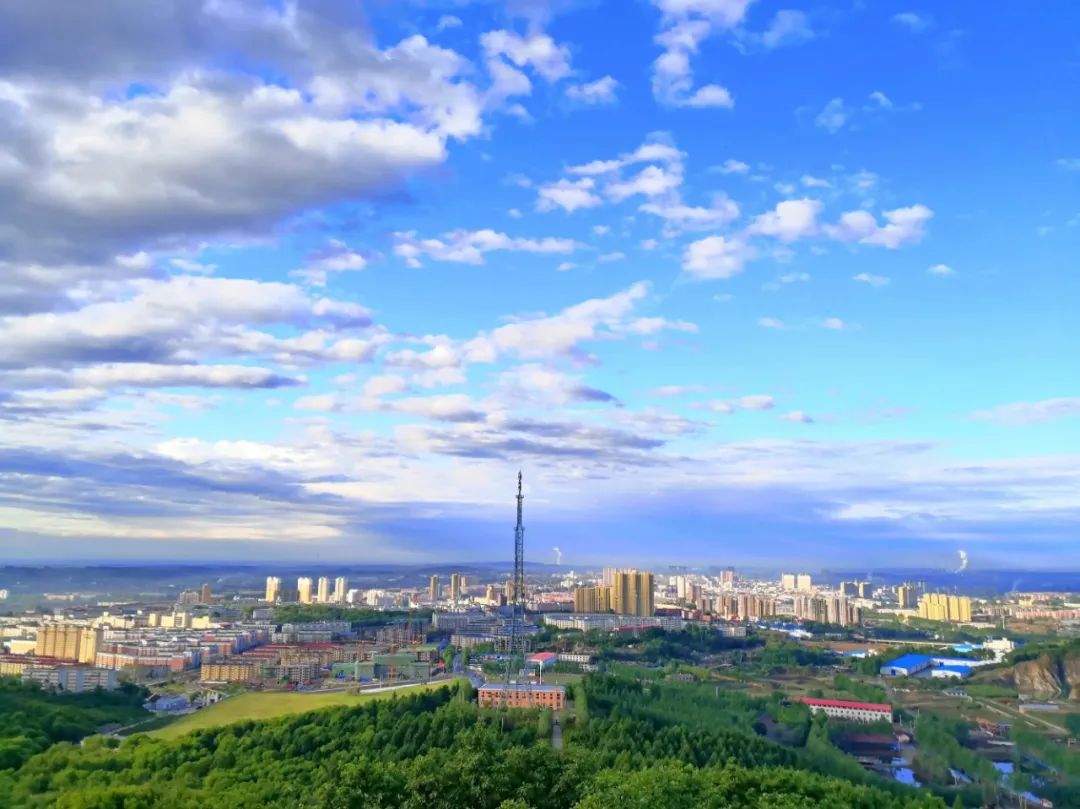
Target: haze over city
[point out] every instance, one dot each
(731, 282)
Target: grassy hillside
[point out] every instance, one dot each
(270, 705)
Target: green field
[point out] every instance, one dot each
(271, 704)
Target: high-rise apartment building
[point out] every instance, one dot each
(341, 587)
(727, 577)
(787, 581)
(273, 589)
(681, 586)
(72, 642)
(803, 583)
(491, 595)
(945, 607)
(695, 595)
(592, 599)
(455, 586)
(908, 596)
(324, 589)
(849, 588)
(633, 593)
(303, 590)
(434, 590)
(865, 589)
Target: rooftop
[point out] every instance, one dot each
(839, 703)
(520, 686)
(910, 661)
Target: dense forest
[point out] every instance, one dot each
(634, 744)
(32, 718)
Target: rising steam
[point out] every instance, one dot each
(963, 562)
(558, 556)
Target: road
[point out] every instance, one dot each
(1011, 714)
(556, 734)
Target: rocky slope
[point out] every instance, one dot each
(1070, 668)
(1041, 678)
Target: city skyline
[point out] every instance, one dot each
(748, 283)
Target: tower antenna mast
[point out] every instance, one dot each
(517, 586)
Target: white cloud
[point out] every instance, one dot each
(710, 95)
(941, 269)
(716, 257)
(146, 375)
(601, 91)
(872, 280)
(469, 246)
(880, 100)
(833, 116)
(684, 217)
(508, 54)
(788, 27)
(771, 323)
(797, 417)
(335, 257)
(755, 402)
(649, 152)
(607, 258)
(1069, 163)
(810, 181)
(903, 226)
(651, 181)
(791, 220)
(685, 25)
(1022, 414)
(447, 21)
(912, 21)
(732, 166)
(565, 265)
(563, 334)
(678, 390)
(649, 244)
(384, 384)
(601, 230)
(570, 195)
(834, 324)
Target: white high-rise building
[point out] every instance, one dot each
(804, 584)
(341, 587)
(303, 590)
(273, 588)
(324, 590)
(787, 581)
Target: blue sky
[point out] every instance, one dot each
(732, 281)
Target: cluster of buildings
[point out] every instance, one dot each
(623, 592)
(919, 665)
(945, 607)
(796, 582)
(475, 628)
(837, 610)
(307, 591)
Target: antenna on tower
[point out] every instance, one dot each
(517, 586)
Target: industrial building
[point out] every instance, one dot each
(499, 695)
(852, 711)
(917, 665)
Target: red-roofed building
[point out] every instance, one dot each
(544, 658)
(853, 711)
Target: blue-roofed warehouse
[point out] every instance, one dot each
(916, 665)
(910, 665)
